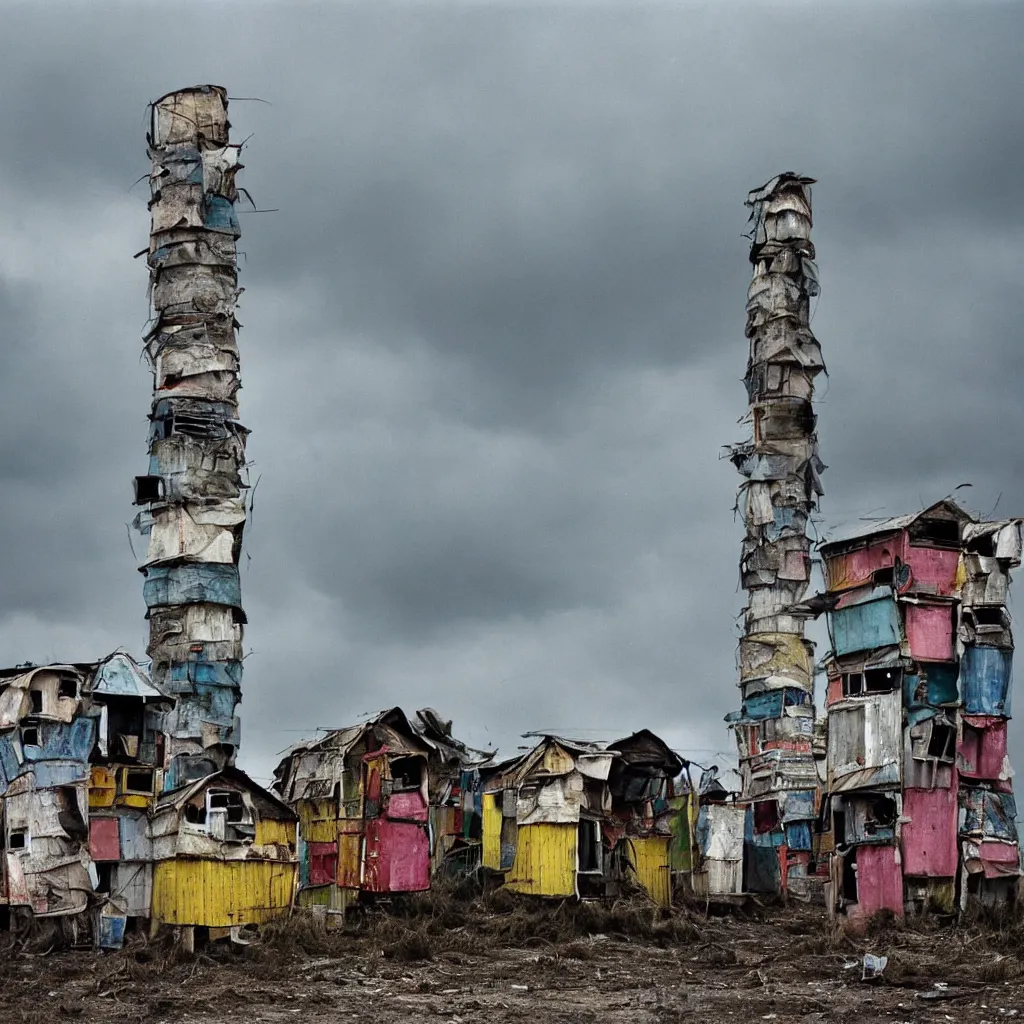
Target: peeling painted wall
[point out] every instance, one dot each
(193, 493)
(781, 471)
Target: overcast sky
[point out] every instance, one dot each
(493, 333)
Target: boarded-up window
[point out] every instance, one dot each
(104, 839)
(323, 863)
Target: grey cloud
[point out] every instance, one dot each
(493, 336)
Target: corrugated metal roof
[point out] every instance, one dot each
(868, 528)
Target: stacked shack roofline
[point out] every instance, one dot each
(781, 485)
(193, 492)
(919, 784)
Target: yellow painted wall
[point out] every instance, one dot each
(491, 853)
(545, 863)
(102, 786)
(318, 819)
(350, 848)
(219, 893)
(280, 832)
(650, 857)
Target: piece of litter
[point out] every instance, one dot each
(873, 966)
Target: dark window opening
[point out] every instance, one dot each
(67, 686)
(406, 773)
(985, 616)
(853, 684)
(881, 680)
(942, 742)
(105, 872)
(589, 846)
(881, 814)
(36, 700)
(766, 816)
(984, 546)
(850, 877)
(148, 488)
(231, 801)
(30, 736)
(19, 839)
(839, 826)
(195, 814)
(883, 576)
(936, 533)
(137, 781)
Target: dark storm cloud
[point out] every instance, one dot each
(493, 335)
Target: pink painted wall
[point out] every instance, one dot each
(408, 805)
(929, 837)
(855, 568)
(397, 857)
(104, 840)
(879, 881)
(981, 755)
(999, 860)
(323, 863)
(933, 569)
(834, 691)
(930, 631)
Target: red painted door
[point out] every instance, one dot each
(397, 857)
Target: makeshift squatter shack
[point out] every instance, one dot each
(383, 806)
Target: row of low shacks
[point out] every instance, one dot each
(93, 839)
(919, 801)
(389, 805)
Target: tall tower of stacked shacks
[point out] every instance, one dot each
(193, 491)
(920, 795)
(781, 485)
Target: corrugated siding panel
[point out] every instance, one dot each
(683, 824)
(103, 839)
(397, 857)
(280, 832)
(930, 631)
(219, 894)
(863, 627)
(317, 819)
(929, 832)
(491, 853)
(350, 855)
(652, 868)
(545, 863)
(135, 841)
(132, 888)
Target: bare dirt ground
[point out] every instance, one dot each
(781, 965)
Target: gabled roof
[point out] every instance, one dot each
(177, 798)
(425, 734)
(863, 529)
(118, 675)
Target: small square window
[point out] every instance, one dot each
(30, 736)
(148, 489)
(36, 702)
(67, 686)
(19, 839)
(138, 781)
